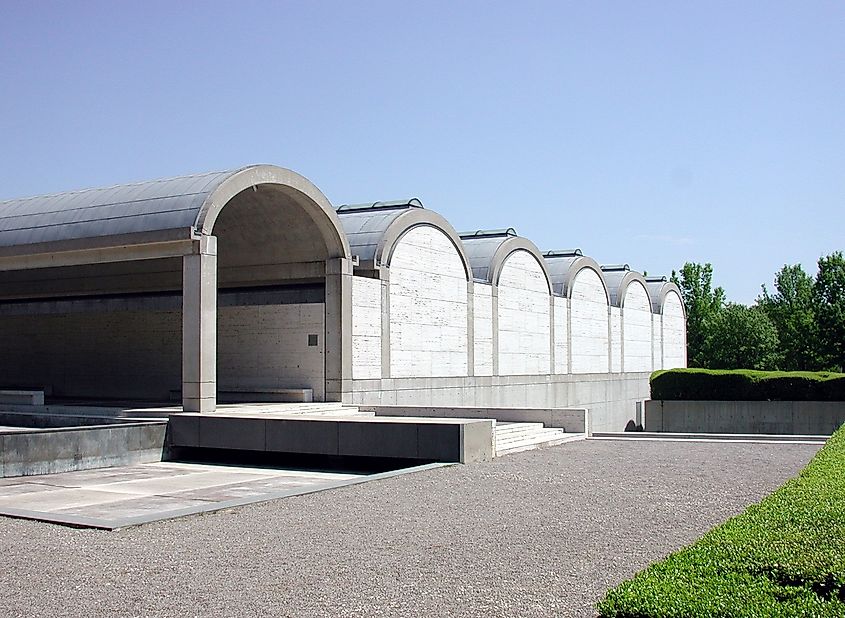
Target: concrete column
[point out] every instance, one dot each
(495, 294)
(384, 274)
(199, 328)
(622, 342)
(470, 329)
(551, 334)
(338, 329)
(568, 335)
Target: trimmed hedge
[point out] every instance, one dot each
(747, 385)
(782, 557)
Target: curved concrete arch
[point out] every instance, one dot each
(151, 212)
(658, 290)
(488, 261)
(618, 282)
(295, 186)
(374, 235)
(564, 270)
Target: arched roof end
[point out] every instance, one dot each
(564, 268)
(373, 234)
(488, 254)
(618, 281)
(149, 212)
(658, 289)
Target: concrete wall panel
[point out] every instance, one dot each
(428, 306)
(268, 346)
(523, 317)
(657, 341)
(138, 354)
(482, 311)
(589, 324)
(636, 318)
(126, 354)
(366, 328)
(615, 339)
(561, 335)
(674, 333)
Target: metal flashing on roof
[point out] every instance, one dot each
(563, 253)
(383, 205)
(615, 267)
(509, 231)
(656, 279)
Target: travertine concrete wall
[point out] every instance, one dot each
(482, 312)
(366, 327)
(138, 354)
(126, 354)
(523, 317)
(589, 336)
(428, 306)
(267, 346)
(615, 339)
(636, 314)
(561, 312)
(657, 341)
(674, 333)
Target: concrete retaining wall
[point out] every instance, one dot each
(445, 440)
(752, 417)
(573, 420)
(47, 451)
(610, 398)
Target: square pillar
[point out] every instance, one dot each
(338, 330)
(199, 328)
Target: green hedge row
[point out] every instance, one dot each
(782, 557)
(747, 385)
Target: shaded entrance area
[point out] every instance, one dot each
(175, 289)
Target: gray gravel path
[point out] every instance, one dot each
(533, 534)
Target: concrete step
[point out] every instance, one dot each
(537, 433)
(518, 437)
(345, 412)
(514, 429)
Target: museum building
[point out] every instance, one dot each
(250, 285)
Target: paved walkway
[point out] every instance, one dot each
(130, 495)
(539, 533)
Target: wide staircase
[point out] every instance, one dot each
(517, 437)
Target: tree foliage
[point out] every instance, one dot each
(800, 326)
(740, 337)
(792, 310)
(829, 294)
(703, 303)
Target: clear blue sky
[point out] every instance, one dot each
(651, 133)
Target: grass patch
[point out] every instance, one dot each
(747, 385)
(782, 557)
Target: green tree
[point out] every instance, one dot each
(829, 293)
(740, 337)
(792, 309)
(703, 303)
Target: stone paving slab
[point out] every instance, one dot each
(129, 495)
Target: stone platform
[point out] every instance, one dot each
(424, 439)
(123, 496)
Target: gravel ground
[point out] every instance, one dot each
(540, 533)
